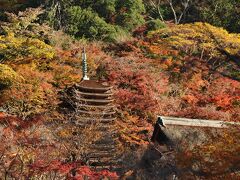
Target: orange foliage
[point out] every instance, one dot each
(216, 159)
(133, 130)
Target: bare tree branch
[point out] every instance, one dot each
(185, 4)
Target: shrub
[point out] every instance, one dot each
(213, 14)
(105, 9)
(130, 13)
(216, 46)
(85, 23)
(33, 95)
(155, 24)
(14, 47)
(199, 38)
(95, 19)
(137, 89)
(7, 76)
(215, 158)
(122, 35)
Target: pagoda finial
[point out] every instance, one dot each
(84, 65)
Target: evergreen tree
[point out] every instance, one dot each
(86, 23)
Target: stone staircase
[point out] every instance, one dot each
(95, 105)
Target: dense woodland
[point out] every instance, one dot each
(163, 57)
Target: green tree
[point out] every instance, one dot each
(86, 23)
(130, 13)
(55, 13)
(155, 24)
(100, 19)
(105, 9)
(222, 13)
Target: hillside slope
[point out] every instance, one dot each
(189, 70)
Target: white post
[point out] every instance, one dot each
(84, 65)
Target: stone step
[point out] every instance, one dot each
(94, 117)
(103, 147)
(112, 130)
(111, 168)
(112, 133)
(93, 151)
(103, 161)
(101, 125)
(108, 141)
(100, 154)
(94, 120)
(97, 127)
(107, 128)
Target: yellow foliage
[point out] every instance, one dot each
(7, 76)
(12, 47)
(198, 38)
(64, 75)
(33, 95)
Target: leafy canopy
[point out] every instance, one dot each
(7, 76)
(12, 47)
(85, 23)
(95, 20)
(201, 39)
